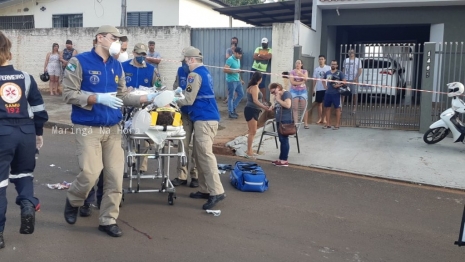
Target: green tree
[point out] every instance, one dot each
(242, 2)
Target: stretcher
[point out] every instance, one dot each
(141, 126)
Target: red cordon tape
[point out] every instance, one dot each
(319, 79)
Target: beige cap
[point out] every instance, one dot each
(108, 29)
(192, 52)
(140, 48)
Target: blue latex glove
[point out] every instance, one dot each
(151, 96)
(109, 100)
(178, 90)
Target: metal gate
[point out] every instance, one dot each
(385, 95)
(448, 67)
(213, 43)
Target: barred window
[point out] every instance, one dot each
(69, 20)
(139, 18)
(17, 22)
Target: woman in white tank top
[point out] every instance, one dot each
(53, 67)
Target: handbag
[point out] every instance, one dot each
(287, 129)
(344, 90)
(248, 177)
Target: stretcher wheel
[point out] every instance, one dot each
(184, 161)
(171, 198)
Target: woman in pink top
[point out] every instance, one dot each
(298, 77)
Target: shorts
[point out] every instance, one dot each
(303, 93)
(332, 99)
(54, 70)
(250, 112)
(353, 87)
(320, 96)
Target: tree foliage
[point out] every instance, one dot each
(242, 2)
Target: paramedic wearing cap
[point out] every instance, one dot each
(204, 113)
(233, 78)
(262, 57)
(95, 86)
(22, 117)
(188, 126)
(139, 73)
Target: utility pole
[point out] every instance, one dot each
(296, 21)
(123, 14)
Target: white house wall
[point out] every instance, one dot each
(169, 42)
(196, 14)
(283, 50)
(165, 12)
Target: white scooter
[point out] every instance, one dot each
(450, 119)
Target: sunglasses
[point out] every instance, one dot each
(124, 49)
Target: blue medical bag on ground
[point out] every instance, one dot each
(248, 177)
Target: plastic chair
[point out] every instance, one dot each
(301, 109)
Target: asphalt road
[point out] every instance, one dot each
(306, 215)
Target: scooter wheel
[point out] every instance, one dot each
(435, 135)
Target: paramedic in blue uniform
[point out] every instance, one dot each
(188, 125)
(22, 118)
(203, 112)
(94, 85)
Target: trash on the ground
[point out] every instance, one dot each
(52, 165)
(60, 186)
(224, 167)
(221, 172)
(216, 213)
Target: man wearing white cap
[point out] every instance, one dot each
(262, 57)
(95, 86)
(204, 113)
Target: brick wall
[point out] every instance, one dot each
(30, 47)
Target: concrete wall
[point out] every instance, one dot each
(30, 47)
(283, 50)
(196, 14)
(310, 40)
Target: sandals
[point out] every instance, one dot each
(336, 128)
(326, 127)
(249, 157)
(306, 127)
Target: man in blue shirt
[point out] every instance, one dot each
(332, 96)
(204, 113)
(234, 81)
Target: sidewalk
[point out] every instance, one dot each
(390, 154)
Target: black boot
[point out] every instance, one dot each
(85, 210)
(2, 242)
(70, 212)
(28, 216)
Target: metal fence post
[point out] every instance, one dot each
(427, 82)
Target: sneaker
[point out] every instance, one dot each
(274, 162)
(213, 200)
(194, 183)
(282, 163)
(234, 113)
(232, 116)
(178, 182)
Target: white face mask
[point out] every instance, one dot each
(123, 56)
(115, 48)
